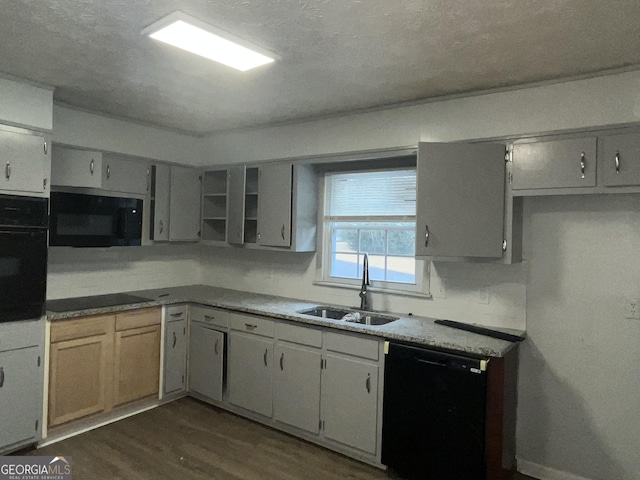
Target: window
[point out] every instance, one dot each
(371, 212)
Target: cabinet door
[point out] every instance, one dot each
(236, 199)
(274, 205)
(250, 372)
(350, 402)
(21, 383)
(296, 393)
(75, 168)
(554, 164)
(24, 162)
(78, 375)
(137, 364)
(161, 191)
(175, 356)
(185, 205)
(206, 361)
(621, 160)
(126, 176)
(460, 200)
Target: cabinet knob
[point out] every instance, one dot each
(617, 163)
(583, 163)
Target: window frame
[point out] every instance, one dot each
(324, 277)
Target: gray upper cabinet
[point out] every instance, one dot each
(87, 169)
(160, 202)
(460, 200)
(25, 162)
(621, 160)
(236, 199)
(567, 163)
(126, 176)
(184, 207)
(274, 205)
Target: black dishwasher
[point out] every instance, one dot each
(434, 414)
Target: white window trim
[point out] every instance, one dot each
(323, 278)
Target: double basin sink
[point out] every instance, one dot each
(362, 317)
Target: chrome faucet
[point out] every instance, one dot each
(364, 293)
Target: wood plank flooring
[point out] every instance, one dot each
(189, 440)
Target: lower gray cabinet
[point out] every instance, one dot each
(296, 392)
(175, 356)
(251, 372)
(21, 383)
(350, 402)
(206, 361)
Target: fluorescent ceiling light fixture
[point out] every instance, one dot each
(192, 35)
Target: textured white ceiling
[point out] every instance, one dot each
(337, 55)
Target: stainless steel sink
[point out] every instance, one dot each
(353, 316)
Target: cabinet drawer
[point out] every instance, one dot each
(63, 330)
(352, 345)
(138, 318)
(176, 313)
(554, 164)
(21, 334)
(251, 324)
(298, 334)
(211, 316)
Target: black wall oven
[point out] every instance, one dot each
(23, 257)
(80, 220)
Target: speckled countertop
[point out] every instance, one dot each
(420, 330)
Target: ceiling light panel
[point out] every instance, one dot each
(190, 34)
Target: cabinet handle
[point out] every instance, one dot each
(368, 383)
(7, 170)
(282, 231)
(266, 350)
(161, 226)
(617, 163)
(215, 347)
(46, 148)
(1, 377)
(179, 314)
(582, 163)
(209, 318)
(108, 172)
(250, 326)
(426, 235)
(282, 361)
(92, 166)
(175, 339)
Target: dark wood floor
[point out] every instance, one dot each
(189, 440)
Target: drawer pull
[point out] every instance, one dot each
(209, 318)
(617, 163)
(250, 326)
(179, 314)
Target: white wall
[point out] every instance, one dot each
(25, 105)
(607, 100)
(88, 130)
(77, 272)
(579, 396)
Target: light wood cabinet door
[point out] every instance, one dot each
(350, 402)
(274, 205)
(20, 393)
(460, 200)
(296, 392)
(250, 372)
(137, 364)
(79, 372)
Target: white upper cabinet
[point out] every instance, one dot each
(126, 176)
(621, 160)
(184, 208)
(160, 202)
(460, 200)
(25, 162)
(274, 205)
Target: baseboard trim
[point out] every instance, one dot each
(545, 473)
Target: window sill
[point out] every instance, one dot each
(389, 291)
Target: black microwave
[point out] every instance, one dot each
(80, 220)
